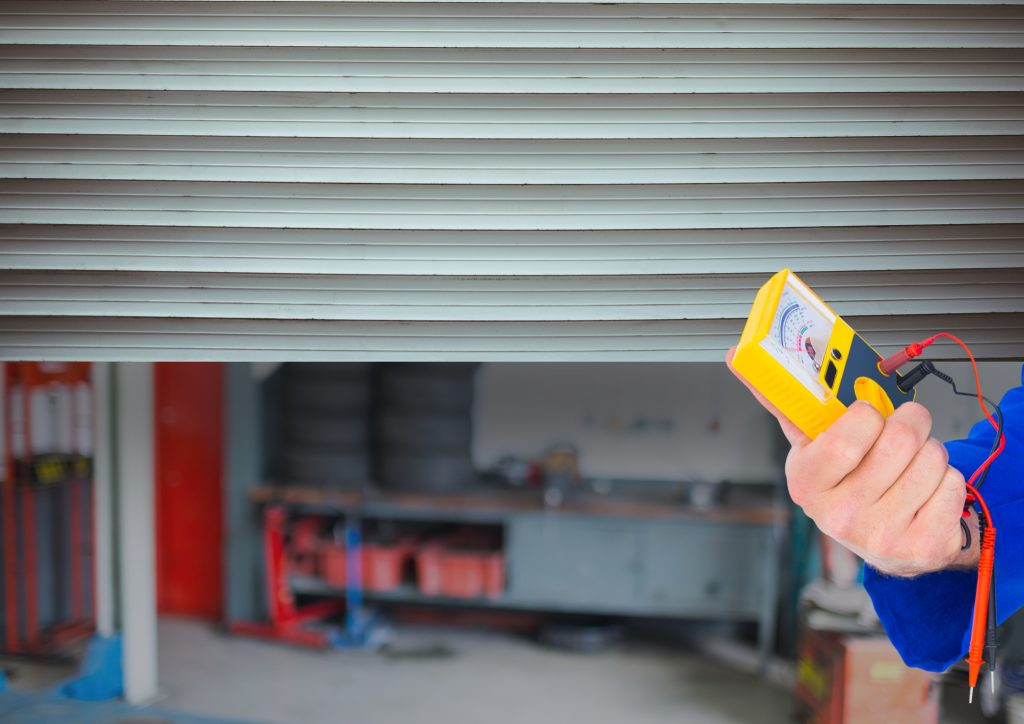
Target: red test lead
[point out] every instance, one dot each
(981, 606)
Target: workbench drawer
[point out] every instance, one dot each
(706, 569)
(562, 561)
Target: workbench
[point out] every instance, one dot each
(592, 554)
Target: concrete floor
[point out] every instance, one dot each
(456, 676)
(463, 677)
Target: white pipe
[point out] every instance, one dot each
(102, 492)
(134, 450)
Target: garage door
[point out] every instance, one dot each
(501, 181)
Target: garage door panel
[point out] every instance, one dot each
(502, 180)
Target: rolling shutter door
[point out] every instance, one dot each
(501, 181)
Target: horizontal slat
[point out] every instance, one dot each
(502, 253)
(991, 336)
(396, 70)
(680, 206)
(280, 296)
(506, 25)
(498, 253)
(436, 161)
(965, 3)
(325, 115)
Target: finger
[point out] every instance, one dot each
(935, 530)
(794, 434)
(918, 484)
(824, 462)
(903, 435)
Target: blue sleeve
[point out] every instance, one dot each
(928, 618)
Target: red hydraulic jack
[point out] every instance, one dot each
(288, 622)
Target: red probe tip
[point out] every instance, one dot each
(893, 362)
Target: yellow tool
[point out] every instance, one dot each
(807, 361)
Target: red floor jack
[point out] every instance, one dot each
(310, 625)
(288, 622)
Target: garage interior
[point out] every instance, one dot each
(363, 360)
(424, 541)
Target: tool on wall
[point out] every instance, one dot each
(810, 364)
(48, 447)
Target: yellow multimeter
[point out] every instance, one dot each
(807, 361)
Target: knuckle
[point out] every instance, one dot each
(796, 482)
(917, 415)
(954, 481)
(866, 417)
(900, 436)
(933, 454)
(845, 451)
(798, 495)
(839, 523)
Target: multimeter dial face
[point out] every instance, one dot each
(799, 335)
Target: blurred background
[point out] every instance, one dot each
(432, 543)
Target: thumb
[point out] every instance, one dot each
(794, 434)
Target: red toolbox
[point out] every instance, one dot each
(460, 573)
(382, 565)
(334, 564)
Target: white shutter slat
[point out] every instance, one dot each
(127, 114)
(432, 25)
(630, 253)
(437, 161)
(447, 70)
(70, 338)
(551, 298)
(414, 207)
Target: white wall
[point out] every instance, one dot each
(645, 420)
(952, 415)
(686, 421)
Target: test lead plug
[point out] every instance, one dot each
(909, 381)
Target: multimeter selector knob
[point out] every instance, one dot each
(867, 389)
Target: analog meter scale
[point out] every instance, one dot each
(807, 361)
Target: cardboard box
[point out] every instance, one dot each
(847, 679)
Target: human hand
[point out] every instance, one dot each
(882, 487)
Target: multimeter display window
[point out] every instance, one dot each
(799, 335)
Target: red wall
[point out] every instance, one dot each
(189, 488)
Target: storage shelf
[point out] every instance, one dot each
(409, 594)
(495, 507)
(405, 593)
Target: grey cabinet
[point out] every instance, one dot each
(649, 567)
(571, 561)
(704, 569)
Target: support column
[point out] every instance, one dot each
(103, 491)
(136, 523)
(243, 467)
